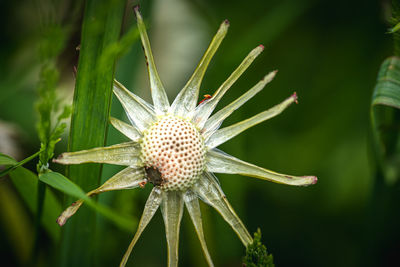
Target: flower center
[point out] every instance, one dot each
(173, 153)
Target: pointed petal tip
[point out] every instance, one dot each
(310, 180)
(295, 97)
(58, 159)
(256, 51)
(315, 179)
(61, 220)
(261, 46)
(137, 12)
(271, 75)
(224, 27)
(136, 8)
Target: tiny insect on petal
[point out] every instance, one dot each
(206, 97)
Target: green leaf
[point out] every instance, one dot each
(7, 160)
(102, 21)
(257, 255)
(385, 119)
(395, 28)
(22, 162)
(26, 183)
(60, 182)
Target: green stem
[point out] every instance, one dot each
(41, 191)
(101, 28)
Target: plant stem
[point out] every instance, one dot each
(101, 27)
(395, 20)
(41, 191)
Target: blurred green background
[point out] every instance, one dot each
(329, 52)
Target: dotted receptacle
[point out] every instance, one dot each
(175, 147)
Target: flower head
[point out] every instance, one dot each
(173, 147)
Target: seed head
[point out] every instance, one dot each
(175, 148)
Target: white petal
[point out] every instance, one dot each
(204, 110)
(160, 99)
(187, 98)
(128, 130)
(140, 114)
(193, 207)
(128, 178)
(152, 204)
(172, 210)
(208, 189)
(220, 162)
(225, 134)
(126, 154)
(214, 122)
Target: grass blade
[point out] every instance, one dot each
(6, 160)
(17, 164)
(26, 183)
(60, 182)
(100, 31)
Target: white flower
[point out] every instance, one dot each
(174, 148)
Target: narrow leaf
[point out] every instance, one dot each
(128, 178)
(26, 183)
(7, 160)
(395, 28)
(60, 182)
(101, 28)
(22, 162)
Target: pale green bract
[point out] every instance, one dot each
(174, 148)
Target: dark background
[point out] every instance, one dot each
(329, 52)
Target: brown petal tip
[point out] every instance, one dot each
(61, 220)
(57, 160)
(295, 97)
(315, 179)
